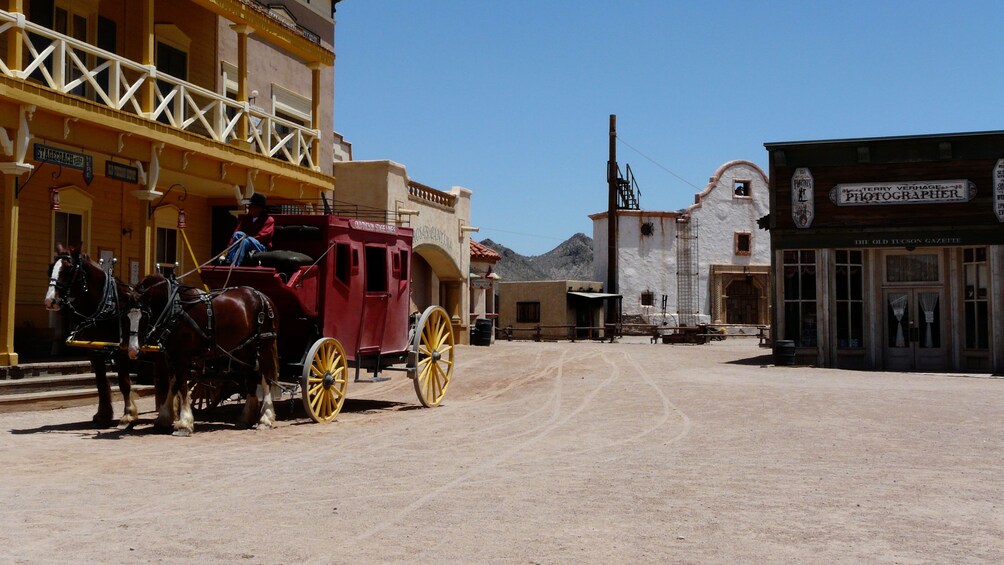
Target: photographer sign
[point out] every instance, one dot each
(910, 192)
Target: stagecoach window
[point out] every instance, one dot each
(376, 269)
(404, 265)
(343, 262)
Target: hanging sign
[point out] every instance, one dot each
(64, 158)
(121, 172)
(803, 208)
(998, 180)
(910, 192)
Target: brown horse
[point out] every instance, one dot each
(233, 327)
(94, 304)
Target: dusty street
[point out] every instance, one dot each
(541, 453)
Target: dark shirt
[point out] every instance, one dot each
(262, 229)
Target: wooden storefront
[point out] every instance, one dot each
(887, 253)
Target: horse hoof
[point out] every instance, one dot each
(125, 424)
(102, 421)
(182, 433)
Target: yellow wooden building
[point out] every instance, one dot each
(119, 116)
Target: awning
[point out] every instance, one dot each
(594, 295)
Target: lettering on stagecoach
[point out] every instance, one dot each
(64, 158)
(373, 227)
(913, 192)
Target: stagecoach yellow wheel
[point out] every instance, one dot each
(204, 396)
(325, 379)
(432, 349)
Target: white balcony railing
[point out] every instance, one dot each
(76, 68)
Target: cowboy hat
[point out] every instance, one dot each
(257, 199)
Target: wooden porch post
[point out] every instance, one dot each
(315, 112)
(243, 31)
(15, 41)
(148, 56)
(8, 268)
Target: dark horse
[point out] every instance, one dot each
(95, 303)
(232, 327)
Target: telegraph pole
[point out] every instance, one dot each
(612, 220)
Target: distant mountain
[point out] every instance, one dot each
(571, 260)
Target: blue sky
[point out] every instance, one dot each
(512, 99)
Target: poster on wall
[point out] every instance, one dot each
(802, 198)
(998, 182)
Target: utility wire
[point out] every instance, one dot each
(619, 138)
(523, 233)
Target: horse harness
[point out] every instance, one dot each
(176, 311)
(108, 307)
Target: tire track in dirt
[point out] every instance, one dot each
(557, 418)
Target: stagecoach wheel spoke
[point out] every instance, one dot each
(324, 381)
(433, 346)
(204, 396)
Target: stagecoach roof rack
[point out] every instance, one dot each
(321, 207)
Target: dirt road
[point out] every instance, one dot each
(541, 453)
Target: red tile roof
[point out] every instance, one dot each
(483, 253)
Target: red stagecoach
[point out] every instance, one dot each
(341, 287)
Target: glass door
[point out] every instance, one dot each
(914, 329)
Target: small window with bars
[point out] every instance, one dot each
(648, 298)
(743, 243)
(528, 312)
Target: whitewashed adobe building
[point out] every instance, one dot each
(706, 263)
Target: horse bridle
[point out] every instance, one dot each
(108, 308)
(63, 291)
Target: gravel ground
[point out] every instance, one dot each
(541, 453)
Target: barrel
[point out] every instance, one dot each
(481, 333)
(784, 352)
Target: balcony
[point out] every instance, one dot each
(75, 68)
(431, 196)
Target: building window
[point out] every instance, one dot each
(648, 298)
(850, 299)
(744, 243)
(74, 25)
(647, 229)
(167, 250)
(742, 188)
(528, 312)
(68, 229)
(975, 299)
(800, 297)
(911, 268)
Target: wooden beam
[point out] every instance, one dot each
(270, 29)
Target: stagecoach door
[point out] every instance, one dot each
(373, 321)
